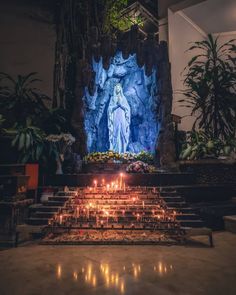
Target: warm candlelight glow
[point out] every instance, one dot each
(59, 271)
(75, 275)
(110, 211)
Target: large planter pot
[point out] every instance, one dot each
(213, 171)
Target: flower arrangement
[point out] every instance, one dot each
(140, 167)
(114, 157)
(145, 157)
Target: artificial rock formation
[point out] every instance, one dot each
(84, 60)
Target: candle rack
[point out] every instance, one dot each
(114, 213)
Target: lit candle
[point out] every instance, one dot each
(77, 213)
(60, 219)
(107, 213)
(95, 185)
(124, 187)
(143, 205)
(121, 180)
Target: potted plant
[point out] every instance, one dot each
(210, 83)
(29, 142)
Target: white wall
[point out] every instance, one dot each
(181, 31)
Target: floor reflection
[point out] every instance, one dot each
(93, 274)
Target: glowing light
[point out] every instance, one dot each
(59, 271)
(122, 287)
(117, 279)
(160, 267)
(94, 281)
(75, 275)
(61, 219)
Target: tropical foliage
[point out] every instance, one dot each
(200, 145)
(54, 121)
(29, 120)
(19, 97)
(114, 18)
(29, 142)
(211, 87)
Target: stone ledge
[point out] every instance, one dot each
(230, 223)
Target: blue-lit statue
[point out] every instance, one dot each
(118, 114)
(121, 114)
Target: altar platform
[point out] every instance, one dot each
(131, 179)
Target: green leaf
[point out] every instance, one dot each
(21, 141)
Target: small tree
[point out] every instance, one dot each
(211, 87)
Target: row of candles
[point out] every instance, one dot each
(84, 214)
(117, 185)
(101, 212)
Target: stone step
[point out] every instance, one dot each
(230, 223)
(176, 204)
(183, 210)
(35, 207)
(192, 223)
(43, 208)
(37, 221)
(48, 209)
(66, 194)
(173, 199)
(167, 189)
(54, 203)
(41, 214)
(187, 216)
(168, 193)
(59, 198)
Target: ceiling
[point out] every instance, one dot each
(214, 16)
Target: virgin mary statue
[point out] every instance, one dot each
(118, 114)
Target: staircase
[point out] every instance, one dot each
(169, 197)
(41, 213)
(184, 214)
